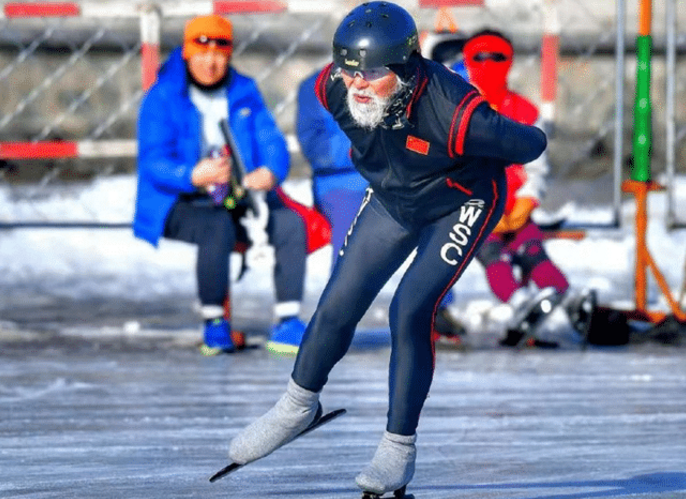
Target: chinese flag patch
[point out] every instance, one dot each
(417, 145)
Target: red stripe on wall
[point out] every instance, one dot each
(36, 9)
(448, 3)
(549, 49)
(38, 150)
(150, 62)
(247, 7)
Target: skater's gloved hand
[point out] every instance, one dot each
(521, 212)
(517, 217)
(502, 226)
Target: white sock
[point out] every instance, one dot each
(294, 412)
(285, 309)
(392, 466)
(210, 312)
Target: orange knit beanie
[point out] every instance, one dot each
(201, 31)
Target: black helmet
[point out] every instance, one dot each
(375, 34)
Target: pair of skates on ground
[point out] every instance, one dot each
(530, 315)
(299, 412)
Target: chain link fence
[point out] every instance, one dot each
(71, 86)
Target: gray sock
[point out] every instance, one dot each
(294, 412)
(392, 466)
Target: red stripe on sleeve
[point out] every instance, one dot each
(456, 114)
(464, 122)
(320, 85)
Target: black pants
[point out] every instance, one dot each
(377, 246)
(216, 231)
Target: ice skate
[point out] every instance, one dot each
(579, 309)
(391, 469)
(528, 316)
(320, 420)
(290, 416)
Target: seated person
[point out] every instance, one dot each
(513, 254)
(181, 176)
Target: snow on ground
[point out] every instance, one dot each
(84, 263)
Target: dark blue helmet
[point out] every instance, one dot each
(373, 35)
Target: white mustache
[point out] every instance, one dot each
(363, 93)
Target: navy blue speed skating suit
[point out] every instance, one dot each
(436, 172)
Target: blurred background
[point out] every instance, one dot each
(72, 76)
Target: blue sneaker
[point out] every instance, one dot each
(286, 336)
(217, 337)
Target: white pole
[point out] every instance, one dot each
(619, 109)
(670, 19)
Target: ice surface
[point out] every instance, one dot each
(103, 395)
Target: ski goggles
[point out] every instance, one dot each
(367, 74)
(205, 41)
(489, 56)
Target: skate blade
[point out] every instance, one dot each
(329, 416)
(398, 494)
(225, 471)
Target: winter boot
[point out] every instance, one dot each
(217, 337)
(294, 411)
(579, 308)
(520, 304)
(286, 336)
(528, 316)
(392, 467)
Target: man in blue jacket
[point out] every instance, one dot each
(182, 177)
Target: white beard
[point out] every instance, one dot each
(369, 115)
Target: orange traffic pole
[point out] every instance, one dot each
(641, 183)
(645, 18)
(644, 259)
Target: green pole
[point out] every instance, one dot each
(642, 111)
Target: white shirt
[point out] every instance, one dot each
(213, 107)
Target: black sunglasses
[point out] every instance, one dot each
(219, 42)
(493, 56)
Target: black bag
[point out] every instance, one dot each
(608, 328)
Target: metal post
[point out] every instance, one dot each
(670, 125)
(620, 68)
(550, 52)
(150, 22)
